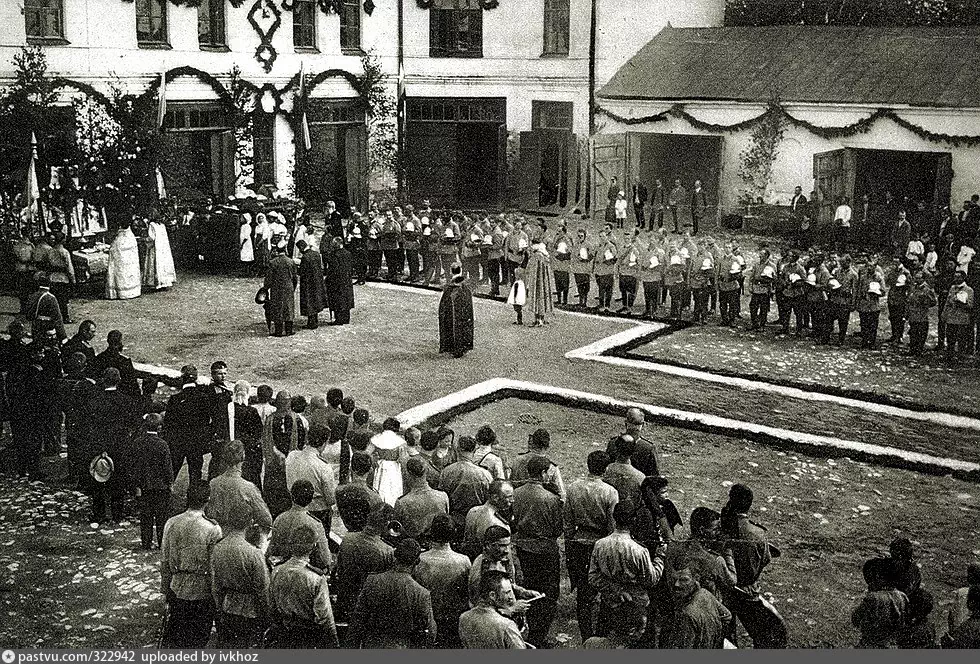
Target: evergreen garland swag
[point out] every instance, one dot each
(862, 126)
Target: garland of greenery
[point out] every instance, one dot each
(862, 126)
(484, 4)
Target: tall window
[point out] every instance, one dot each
(45, 19)
(350, 25)
(263, 148)
(304, 24)
(211, 23)
(556, 17)
(151, 21)
(456, 29)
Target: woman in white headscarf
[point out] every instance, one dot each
(123, 276)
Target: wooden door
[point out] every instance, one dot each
(608, 161)
(223, 164)
(944, 179)
(357, 166)
(833, 176)
(430, 161)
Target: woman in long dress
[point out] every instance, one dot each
(159, 271)
(540, 282)
(246, 253)
(122, 280)
(388, 481)
(263, 241)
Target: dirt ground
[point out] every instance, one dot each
(63, 583)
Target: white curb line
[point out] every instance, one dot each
(595, 352)
(477, 395)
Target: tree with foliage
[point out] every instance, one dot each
(756, 161)
(852, 12)
(382, 122)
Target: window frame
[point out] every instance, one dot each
(310, 6)
(164, 40)
(347, 45)
(268, 140)
(448, 19)
(42, 12)
(557, 14)
(215, 9)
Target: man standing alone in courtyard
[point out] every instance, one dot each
(281, 281)
(456, 316)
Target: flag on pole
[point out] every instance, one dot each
(304, 126)
(32, 192)
(162, 107)
(401, 83)
(161, 187)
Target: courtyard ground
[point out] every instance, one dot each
(64, 583)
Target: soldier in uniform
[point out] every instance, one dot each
(652, 275)
(605, 268)
(495, 257)
(299, 598)
(581, 267)
(628, 266)
(185, 572)
(297, 516)
(391, 237)
(410, 240)
(373, 246)
(230, 491)
(240, 585)
(515, 250)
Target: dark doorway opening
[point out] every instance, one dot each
(455, 150)
(671, 157)
(334, 168)
(912, 175)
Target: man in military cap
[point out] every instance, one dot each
(240, 584)
(300, 599)
(185, 572)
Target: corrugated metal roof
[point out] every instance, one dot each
(825, 64)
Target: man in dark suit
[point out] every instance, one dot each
(185, 424)
(112, 357)
(117, 417)
(219, 396)
(640, 195)
(333, 221)
(81, 342)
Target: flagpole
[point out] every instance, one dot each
(162, 105)
(32, 191)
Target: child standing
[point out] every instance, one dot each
(518, 295)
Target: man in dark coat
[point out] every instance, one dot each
(112, 357)
(81, 343)
(340, 289)
(312, 298)
(185, 424)
(118, 417)
(333, 221)
(456, 316)
(27, 388)
(281, 280)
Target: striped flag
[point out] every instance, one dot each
(304, 127)
(162, 106)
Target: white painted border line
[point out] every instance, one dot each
(595, 352)
(505, 388)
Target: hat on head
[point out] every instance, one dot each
(101, 468)
(874, 287)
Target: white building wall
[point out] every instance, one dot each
(794, 163)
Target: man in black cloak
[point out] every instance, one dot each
(456, 316)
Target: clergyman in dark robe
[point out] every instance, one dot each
(312, 296)
(339, 284)
(280, 280)
(456, 316)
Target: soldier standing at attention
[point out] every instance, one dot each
(240, 585)
(185, 572)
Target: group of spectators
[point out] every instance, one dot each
(442, 541)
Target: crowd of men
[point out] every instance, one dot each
(445, 541)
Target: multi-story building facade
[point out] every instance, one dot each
(495, 94)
